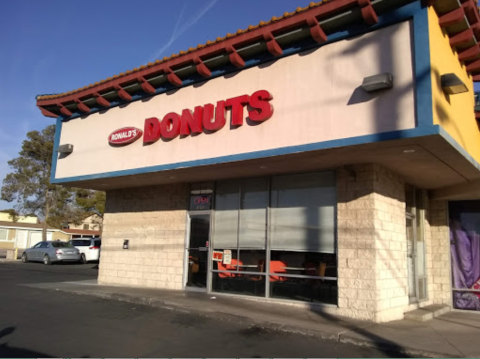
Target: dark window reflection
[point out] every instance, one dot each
(322, 290)
(303, 289)
(238, 283)
(197, 268)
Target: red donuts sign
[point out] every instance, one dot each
(207, 118)
(124, 136)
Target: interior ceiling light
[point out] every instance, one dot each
(378, 82)
(452, 84)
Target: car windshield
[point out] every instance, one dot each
(62, 245)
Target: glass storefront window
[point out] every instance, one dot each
(303, 212)
(243, 284)
(253, 214)
(287, 269)
(304, 263)
(298, 211)
(227, 201)
(307, 290)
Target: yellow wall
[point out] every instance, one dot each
(453, 112)
(11, 234)
(28, 219)
(7, 245)
(61, 236)
(10, 243)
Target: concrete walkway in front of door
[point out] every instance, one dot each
(455, 334)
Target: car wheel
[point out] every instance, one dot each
(24, 258)
(46, 260)
(83, 259)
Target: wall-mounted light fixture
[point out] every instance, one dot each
(378, 82)
(125, 244)
(65, 149)
(477, 101)
(452, 84)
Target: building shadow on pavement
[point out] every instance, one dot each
(387, 347)
(7, 351)
(6, 331)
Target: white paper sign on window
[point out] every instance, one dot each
(227, 256)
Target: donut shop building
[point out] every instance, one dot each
(328, 157)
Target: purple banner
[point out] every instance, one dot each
(465, 253)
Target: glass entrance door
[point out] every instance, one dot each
(417, 276)
(197, 251)
(411, 256)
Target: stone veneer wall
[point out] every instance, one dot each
(153, 219)
(372, 266)
(438, 254)
(7, 245)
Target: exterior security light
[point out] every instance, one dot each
(378, 82)
(452, 85)
(477, 101)
(65, 149)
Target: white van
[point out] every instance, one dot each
(89, 248)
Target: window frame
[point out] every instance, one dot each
(7, 231)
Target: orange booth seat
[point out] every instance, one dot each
(228, 267)
(277, 267)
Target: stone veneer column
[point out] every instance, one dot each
(154, 220)
(372, 266)
(439, 266)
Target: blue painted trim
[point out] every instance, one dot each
(422, 68)
(58, 131)
(458, 147)
(386, 136)
(407, 12)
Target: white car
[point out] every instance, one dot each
(89, 248)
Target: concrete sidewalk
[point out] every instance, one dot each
(451, 335)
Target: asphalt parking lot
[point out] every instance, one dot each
(40, 323)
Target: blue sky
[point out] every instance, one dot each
(53, 46)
